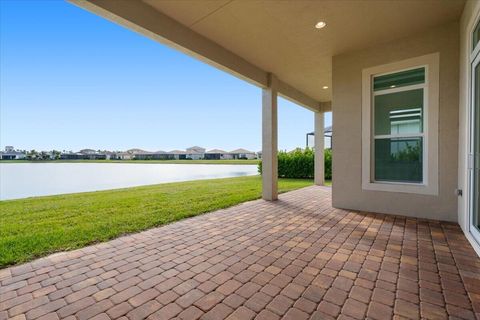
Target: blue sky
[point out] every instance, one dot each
(71, 80)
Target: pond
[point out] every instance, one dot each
(21, 180)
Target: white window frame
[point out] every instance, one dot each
(430, 125)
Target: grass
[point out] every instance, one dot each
(35, 227)
(253, 161)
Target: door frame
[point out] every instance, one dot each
(474, 62)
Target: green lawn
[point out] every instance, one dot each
(35, 227)
(254, 161)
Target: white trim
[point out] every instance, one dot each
(399, 89)
(473, 63)
(473, 242)
(474, 51)
(477, 48)
(395, 136)
(466, 59)
(430, 129)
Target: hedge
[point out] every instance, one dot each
(300, 164)
(328, 163)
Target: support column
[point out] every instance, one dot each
(269, 140)
(319, 146)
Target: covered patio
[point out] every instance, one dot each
(296, 258)
(382, 244)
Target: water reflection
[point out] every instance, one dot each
(20, 180)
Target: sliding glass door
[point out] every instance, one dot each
(474, 161)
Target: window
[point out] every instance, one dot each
(400, 124)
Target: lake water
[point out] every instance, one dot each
(21, 180)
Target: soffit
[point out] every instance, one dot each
(279, 36)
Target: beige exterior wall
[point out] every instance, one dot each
(470, 15)
(347, 121)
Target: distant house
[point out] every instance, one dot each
(135, 151)
(130, 154)
(243, 154)
(162, 155)
(109, 154)
(192, 153)
(98, 156)
(195, 153)
(121, 156)
(157, 155)
(216, 154)
(90, 154)
(178, 154)
(87, 151)
(85, 154)
(11, 154)
(145, 155)
(73, 156)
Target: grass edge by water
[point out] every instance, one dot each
(36, 227)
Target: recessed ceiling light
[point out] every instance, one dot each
(320, 25)
(325, 87)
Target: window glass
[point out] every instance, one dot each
(399, 159)
(476, 35)
(399, 79)
(398, 126)
(399, 112)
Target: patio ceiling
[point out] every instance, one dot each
(252, 38)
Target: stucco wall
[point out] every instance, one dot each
(347, 124)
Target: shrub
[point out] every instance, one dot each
(300, 164)
(327, 153)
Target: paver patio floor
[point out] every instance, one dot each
(297, 258)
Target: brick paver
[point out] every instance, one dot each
(297, 258)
